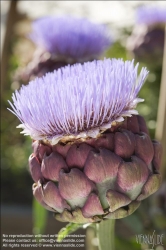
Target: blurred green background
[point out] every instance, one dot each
(16, 194)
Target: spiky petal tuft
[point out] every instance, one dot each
(79, 100)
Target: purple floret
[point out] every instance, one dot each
(79, 98)
(151, 15)
(70, 37)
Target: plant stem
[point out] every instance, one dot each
(161, 113)
(105, 233)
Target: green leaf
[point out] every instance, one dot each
(117, 50)
(39, 218)
(133, 221)
(124, 244)
(70, 228)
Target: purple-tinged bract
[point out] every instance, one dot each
(79, 100)
(151, 15)
(98, 178)
(70, 37)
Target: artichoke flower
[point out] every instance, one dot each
(92, 155)
(146, 42)
(150, 15)
(64, 40)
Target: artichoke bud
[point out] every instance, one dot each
(99, 178)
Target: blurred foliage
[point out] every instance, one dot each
(117, 50)
(39, 217)
(15, 180)
(150, 93)
(122, 243)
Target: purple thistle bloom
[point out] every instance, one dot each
(150, 15)
(146, 42)
(70, 37)
(89, 162)
(78, 101)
